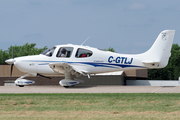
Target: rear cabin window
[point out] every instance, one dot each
(83, 53)
(65, 52)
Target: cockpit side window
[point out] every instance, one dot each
(82, 53)
(65, 52)
(49, 52)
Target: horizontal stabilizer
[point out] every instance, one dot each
(150, 62)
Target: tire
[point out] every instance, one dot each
(66, 86)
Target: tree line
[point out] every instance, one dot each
(170, 72)
(17, 51)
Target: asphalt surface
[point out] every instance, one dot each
(90, 89)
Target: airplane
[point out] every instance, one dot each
(77, 60)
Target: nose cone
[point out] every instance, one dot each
(10, 61)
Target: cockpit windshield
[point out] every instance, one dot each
(49, 52)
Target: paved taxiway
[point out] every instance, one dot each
(90, 89)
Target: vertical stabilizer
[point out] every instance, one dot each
(160, 51)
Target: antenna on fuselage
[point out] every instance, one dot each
(85, 40)
(12, 52)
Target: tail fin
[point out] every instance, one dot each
(158, 55)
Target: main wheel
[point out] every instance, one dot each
(21, 85)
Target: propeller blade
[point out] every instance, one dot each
(11, 69)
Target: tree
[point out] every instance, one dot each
(27, 49)
(3, 56)
(172, 70)
(17, 51)
(110, 49)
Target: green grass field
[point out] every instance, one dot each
(89, 106)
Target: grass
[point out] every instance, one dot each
(145, 106)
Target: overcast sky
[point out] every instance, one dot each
(128, 26)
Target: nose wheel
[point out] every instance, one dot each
(22, 82)
(66, 86)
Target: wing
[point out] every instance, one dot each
(150, 62)
(64, 68)
(111, 73)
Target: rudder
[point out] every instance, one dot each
(160, 51)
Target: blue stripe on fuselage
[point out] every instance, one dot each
(106, 65)
(109, 65)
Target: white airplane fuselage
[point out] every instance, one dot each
(100, 61)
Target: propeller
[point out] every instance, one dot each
(11, 62)
(11, 69)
